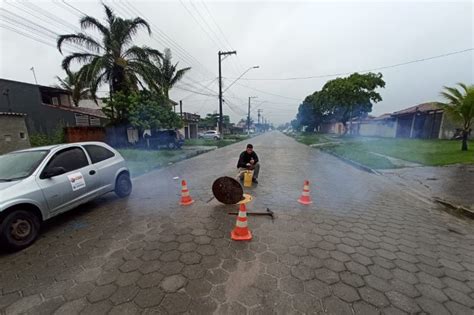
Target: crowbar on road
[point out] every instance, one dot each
(268, 212)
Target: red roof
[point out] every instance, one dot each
(383, 117)
(80, 110)
(425, 107)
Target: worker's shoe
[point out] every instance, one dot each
(254, 180)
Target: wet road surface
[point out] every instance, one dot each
(365, 246)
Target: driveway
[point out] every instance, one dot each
(365, 246)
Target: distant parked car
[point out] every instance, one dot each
(210, 134)
(169, 138)
(39, 183)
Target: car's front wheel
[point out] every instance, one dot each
(123, 185)
(19, 229)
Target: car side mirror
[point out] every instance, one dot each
(54, 171)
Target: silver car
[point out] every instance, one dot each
(210, 134)
(40, 183)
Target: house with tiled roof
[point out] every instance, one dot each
(46, 108)
(423, 121)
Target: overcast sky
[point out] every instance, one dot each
(286, 39)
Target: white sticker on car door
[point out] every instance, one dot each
(77, 181)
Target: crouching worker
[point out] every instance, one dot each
(248, 160)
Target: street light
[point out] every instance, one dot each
(254, 67)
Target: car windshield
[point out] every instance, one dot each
(18, 165)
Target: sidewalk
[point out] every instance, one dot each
(453, 183)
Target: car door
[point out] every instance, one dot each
(104, 164)
(75, 186)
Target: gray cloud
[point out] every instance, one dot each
(286, 39)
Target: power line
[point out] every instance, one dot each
(35, 27)
(219, 41)
(185, 55)
(264, 92)
(31, 7)
(220, 30)
(68, 8)
(195, 92)
(72, 7)
(30, 36)
(202, 90)
(361, 71)
(198, 23)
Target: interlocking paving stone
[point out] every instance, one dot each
(431, 306)
(363, 308)
(363, 246)
(373, 297)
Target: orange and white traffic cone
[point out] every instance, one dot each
(241, 231)
(305, 198)
(186, 199)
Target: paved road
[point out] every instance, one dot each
(365, 246)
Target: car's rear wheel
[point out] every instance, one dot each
(19, 229)
(123, 185)
(171, 146)
(216, 138)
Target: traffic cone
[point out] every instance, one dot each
(186, 199)
(305, 198)
(241, 231)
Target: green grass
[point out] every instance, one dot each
(142, 161)
(313, 138)
(359, 149)
(426, 152)
(357, 153)
(209, 142)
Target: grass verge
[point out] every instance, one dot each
(362, 149)
(143, 161)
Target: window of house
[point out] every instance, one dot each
(95, 121)
(82, 120)
(8, 138)
(70, 159)
(22, 135)
(98, 153)
(55, 101)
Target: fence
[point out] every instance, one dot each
(79, 134)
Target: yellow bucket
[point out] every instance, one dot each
(248, 175)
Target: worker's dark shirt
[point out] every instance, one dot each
(245, 158)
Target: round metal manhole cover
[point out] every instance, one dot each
(227, 190)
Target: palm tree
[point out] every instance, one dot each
(73, 86)
(460, 106)
(113, 59)
(165, 75)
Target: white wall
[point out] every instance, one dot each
(378, 129)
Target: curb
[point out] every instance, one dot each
(456, 208)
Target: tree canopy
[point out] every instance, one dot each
(460, 106)
(142, 110)
(340, 99)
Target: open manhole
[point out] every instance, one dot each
(227, 190)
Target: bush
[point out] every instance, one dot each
(41, 139)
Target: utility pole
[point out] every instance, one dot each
(248, 116)
(259, 125)
(181, 109)
(221, 117)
